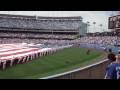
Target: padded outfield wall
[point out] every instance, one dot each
(93, 71)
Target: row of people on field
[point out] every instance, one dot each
(33, 56)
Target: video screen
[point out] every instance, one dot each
(114, 22)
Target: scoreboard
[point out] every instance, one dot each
(114, 22)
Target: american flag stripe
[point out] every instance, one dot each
(18, 55)
(18, 52)
(8, 50)
(12, 51)
(2, 50)
(15, 51)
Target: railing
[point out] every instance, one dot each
(93, 71)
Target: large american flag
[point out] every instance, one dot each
(12, 51)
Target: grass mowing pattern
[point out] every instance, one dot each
(59, 62)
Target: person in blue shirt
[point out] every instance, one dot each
(113, 70)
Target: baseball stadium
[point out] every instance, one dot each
(39, 47)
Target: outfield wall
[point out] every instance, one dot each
(94, 71)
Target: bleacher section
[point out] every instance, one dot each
(36, 27)
(39, 23)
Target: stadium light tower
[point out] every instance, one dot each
(103, 30)
(88, 24)
(94, 24)
(101, 27)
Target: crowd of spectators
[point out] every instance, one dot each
(19, 22)
(35, 35)
(105, 40)
(35, 41)
(46, 38)
(12, 22)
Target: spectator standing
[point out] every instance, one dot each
(111, 56)
(113, 70)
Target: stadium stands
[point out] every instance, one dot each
(105, 40)
(16, 27)
(63, 23)
(35, 35)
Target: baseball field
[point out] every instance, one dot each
(59, 62)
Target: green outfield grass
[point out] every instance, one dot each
(59, 62)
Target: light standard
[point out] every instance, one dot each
(101, 27)
(94, 24)
(88, 24)
(103, 30)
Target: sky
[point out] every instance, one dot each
(100, 17)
